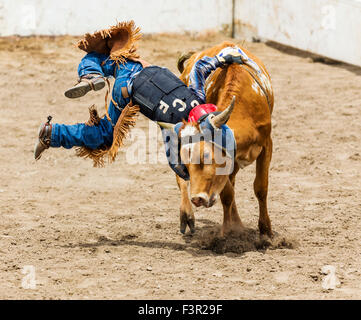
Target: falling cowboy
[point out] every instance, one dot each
(154, 91)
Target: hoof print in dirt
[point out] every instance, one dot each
(247, 240)
(218, 245)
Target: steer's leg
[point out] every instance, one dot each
(231, 219)
(234, 213)
(186, 210)
(261, 188)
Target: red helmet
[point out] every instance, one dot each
(201, 110)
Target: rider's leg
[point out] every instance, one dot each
(80, 135)
(68, 136)
(91, 75)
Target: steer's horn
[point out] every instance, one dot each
(223, 117)
(166, 125)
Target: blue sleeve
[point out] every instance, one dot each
(96, 63)
(199, 73)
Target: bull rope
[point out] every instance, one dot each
(248, 69)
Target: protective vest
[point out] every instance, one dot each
(162, 96)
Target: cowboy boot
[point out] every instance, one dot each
(86, 83)
(44, 139)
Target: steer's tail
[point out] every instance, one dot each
(183, 58)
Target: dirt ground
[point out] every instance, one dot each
(113, 232)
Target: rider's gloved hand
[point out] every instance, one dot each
(231, 55)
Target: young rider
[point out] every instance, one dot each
(160, 95)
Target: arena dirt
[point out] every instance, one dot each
(113, 232)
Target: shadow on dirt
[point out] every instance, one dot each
(206, 240)
(314, 57)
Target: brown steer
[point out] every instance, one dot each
(250, 120)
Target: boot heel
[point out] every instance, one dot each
(84, 86)
(98, 84)
(81, 89)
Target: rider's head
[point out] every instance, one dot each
(200, 111)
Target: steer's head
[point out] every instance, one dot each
(207, 151)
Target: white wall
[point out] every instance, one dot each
(76, 17)
(331, 28)
(326, 27)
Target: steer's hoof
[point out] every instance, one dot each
(191, 225)
(185, 221)
(265, 230)
(268, 234)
